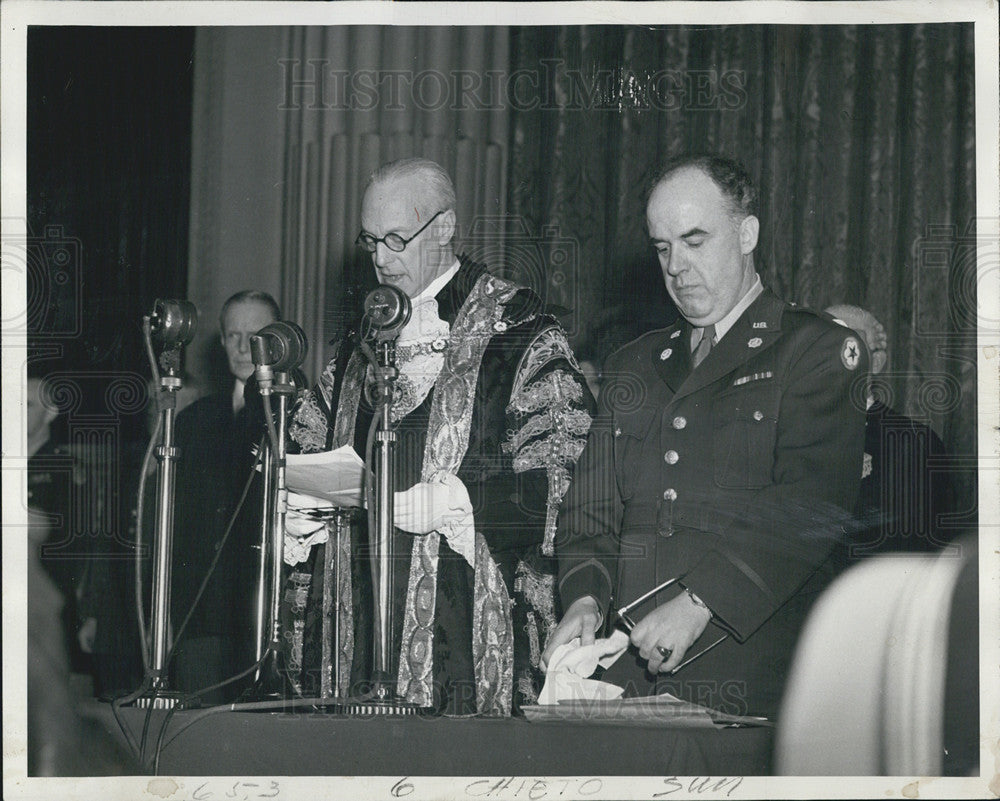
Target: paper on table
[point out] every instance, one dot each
(334, 476)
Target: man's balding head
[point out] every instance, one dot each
(870, 330)
(412, 202)
(435, 190)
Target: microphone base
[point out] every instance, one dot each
(161, 699)
(371, 708)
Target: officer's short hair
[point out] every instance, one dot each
(728, 174)
(249, 296)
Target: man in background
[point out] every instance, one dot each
(901, 497)
(216, 436)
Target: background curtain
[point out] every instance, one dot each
(862, 139)
(335, 136)
(108, 179)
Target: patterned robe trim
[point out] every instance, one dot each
(538, 591)
(350, 397)
(548, 345)
(344, 610)
(447, 441)
(296, 596)
(492, 636)
(310, 424)
(555, 432)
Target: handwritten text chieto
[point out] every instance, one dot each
(535, 789)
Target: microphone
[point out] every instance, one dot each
(173, 322)
(386, 311)
(277, 348)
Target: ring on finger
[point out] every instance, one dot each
(664, 652)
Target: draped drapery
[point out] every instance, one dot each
(861, 137)
(863, 142)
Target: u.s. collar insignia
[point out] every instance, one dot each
(756, 342)
(761, 324)
(676, 334)
(850, 353)
(665, 354)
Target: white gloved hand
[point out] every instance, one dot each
(442, 505)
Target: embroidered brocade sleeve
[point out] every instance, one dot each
(310, 425)
(549, 415)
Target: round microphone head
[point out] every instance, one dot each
(174, 322)
(282, 346)
(387, 309)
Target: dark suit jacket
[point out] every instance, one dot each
(736, 476)
(214, 464)
(905, 486)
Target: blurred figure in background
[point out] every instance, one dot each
(901, 497)
(54, 479)
(60, 741)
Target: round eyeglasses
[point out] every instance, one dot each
(393, 241)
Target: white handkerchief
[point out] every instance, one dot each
(567, 675)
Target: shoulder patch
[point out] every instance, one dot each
(850, 353)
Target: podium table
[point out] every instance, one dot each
(228, 743)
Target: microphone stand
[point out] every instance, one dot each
(266, 527)
(173, 323)
(387, 310)
(167, 455)
(274, 509)
(386, 373)
(284, 390)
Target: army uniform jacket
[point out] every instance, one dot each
(735, 477)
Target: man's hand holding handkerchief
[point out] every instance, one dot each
(571, 665)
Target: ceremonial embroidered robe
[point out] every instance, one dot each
(508, 414)
(737, 476)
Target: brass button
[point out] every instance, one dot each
(670, 494)
(680, 422)
(758, 415)
(671, 457)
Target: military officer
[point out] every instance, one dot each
(725, 457)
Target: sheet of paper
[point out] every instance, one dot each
(336, 477)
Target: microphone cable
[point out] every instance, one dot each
(194, 605)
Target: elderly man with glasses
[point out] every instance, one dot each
(491, 413)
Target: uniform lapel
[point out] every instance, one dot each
(755, 331)
(670, 354)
